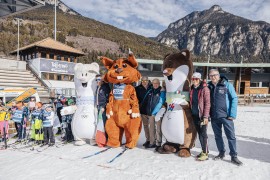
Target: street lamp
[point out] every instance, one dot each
(55, 1)
(18, 46)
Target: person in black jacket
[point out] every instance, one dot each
(102, 96)
(153, 106)
(142, 92)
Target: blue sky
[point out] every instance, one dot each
(151, 17)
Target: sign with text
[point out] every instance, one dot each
(56, 66)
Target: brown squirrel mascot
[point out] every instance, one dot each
(122, 109)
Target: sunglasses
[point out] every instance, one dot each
(195, 79)
(98, 79)
(213, 75)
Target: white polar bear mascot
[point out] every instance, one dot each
(84, 120)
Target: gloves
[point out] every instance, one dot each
(160, 114)
(133, 115)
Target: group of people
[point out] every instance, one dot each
(41, 117)
(215, 101)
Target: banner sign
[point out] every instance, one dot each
(56, 66)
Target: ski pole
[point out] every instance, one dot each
(118, 155)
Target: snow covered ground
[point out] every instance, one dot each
(253, 142)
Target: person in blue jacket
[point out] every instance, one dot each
(223, 112)
(47, 117)
(20, 116)
(156, 98)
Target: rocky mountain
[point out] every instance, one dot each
(63, 7)
(220, 35)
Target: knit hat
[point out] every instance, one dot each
(197, 75)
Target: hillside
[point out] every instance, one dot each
(78, 31)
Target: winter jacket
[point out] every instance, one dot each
(35, 114)
(161, 102)
(223, 99)
(20, 115)
(204, 103)
(47, 118)
(58, 104)
(154, 101)
(67, 118)
(142, 95)
(102, 94)
(4, 115)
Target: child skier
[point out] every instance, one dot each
(66, 124)
(36, 124)
(47, 117)
(20, 116)
(4, 117)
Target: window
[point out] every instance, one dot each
(44, 76)
(43, 55)
(72, 58)
(66, 78)
(51, 76)
(144, 67)
(58, 57)
(71, 77)
(65, 58)
(59, 77)
(51, 56)
(265, 84)
(254, 84)
(257, 70)
(157, 67)
(267, 70)
(223, 70)
(198, 69)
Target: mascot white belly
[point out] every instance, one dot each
(173, 121)
(84, 120)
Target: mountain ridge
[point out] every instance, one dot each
(222, 35)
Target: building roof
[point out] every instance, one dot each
(11, 7)
(152, 61)
(50, 44)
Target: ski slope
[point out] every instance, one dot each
(253, 143)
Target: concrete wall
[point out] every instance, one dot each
(12, 64)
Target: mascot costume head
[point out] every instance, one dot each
(177, 124)
(122, 109)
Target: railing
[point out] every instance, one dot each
(40, 79)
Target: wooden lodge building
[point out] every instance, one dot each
(53, 61)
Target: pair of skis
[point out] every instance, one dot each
(104, 150)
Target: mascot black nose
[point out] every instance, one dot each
(118, 70)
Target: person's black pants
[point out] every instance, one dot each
(58, 111)
(202, 133)
(69, 135)
(48, 135)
